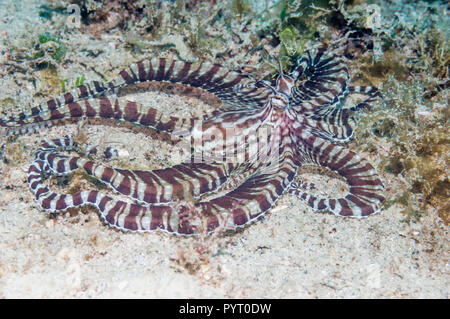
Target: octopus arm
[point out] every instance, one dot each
(365, 189)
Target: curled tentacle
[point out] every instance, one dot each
(210, 77)
(337, 123)
(322, 79)
(236, 208)
(189, 180)
(365, 187)
(117, 213)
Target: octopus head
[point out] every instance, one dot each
(279, 98)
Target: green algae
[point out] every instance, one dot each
(78, 81)
(56, 49)
(292, 46)
(415, 131)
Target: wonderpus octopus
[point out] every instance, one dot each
(256, 142)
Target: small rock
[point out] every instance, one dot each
(123, 153)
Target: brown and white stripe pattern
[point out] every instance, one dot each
(210, 77)
(149, 212)
(322, 87)
(322, 79)
(307, 118)
(80, 92)
(365, 187)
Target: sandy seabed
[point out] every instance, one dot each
(291, 252)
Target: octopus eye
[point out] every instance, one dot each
(279, 101)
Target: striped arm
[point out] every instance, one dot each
(210, 77)
(245, 204)
(365, 187)
(117, 213)
(337, 124)
(146, 116)
(337, 127)
(322, 78)
(331, 112)
(80, 92)
(254, 197)
(181, 181)
(371, 92)
(179, 219)
(103, 108)
(171, 184)
(236, 208)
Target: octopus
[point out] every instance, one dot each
(247, 153)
